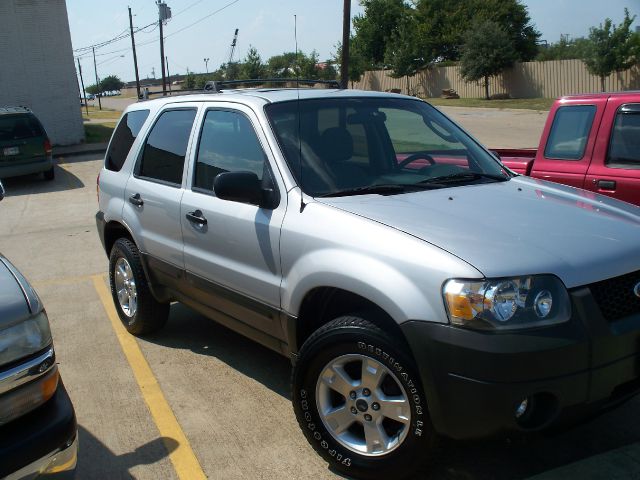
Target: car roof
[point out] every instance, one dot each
(582, 96)
(257, 96)
(13, 110)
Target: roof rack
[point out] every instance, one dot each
(218, 86)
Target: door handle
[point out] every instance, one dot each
(606, 184)
(136, 200)
(196, 217)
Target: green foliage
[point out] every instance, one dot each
(110, 83)
(282, 66)
(564, 50)
(92, 89)
(612, 48)
(189, 82)
(403, 53)
(357, 63)
(375, 28)
(487, 51)
(252, 67)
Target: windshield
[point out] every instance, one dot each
(376, 145)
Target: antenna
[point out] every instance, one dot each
(295, 36)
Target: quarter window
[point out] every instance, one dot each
(569, 132)
(228, 143)
(123, 138)
(624, 149)
(166, 146)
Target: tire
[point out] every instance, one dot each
(138, 310)
(347, 344)
(49, 174)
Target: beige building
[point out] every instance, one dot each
(37, 67)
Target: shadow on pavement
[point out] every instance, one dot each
(35, 184)
(189, 330)
(519, 457)
(95, 460)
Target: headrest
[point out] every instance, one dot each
(336, 144)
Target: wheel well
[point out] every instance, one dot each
(112, 232)
(324, 304)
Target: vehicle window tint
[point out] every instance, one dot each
(124, 136)
(17, 127)
(624, 149)
(228, 143)
(166, 146)
(410, 134)
(569, 132)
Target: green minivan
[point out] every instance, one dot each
(24, 145)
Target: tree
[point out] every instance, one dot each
(443, 25)
(611, 48)
(487, 50)
(189, 82)
(403, 53)
(93, 89)
(564, 50)
(252, 67)
(282, 66)
(376, 26)
(111, 83)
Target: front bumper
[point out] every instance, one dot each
(474, 381)
(42, 442)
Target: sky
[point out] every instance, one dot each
(203, 29)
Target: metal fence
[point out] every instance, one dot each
(525, 80)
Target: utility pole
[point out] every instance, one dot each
(346, 30)
(135, 58)
(168, 72)
(84, 94)
(164, 13)
(95, 67)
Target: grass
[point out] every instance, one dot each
(105, 113)
(517, 103)
(98, 132)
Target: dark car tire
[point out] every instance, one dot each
(149, 314)
(354, 337)
(49, 174)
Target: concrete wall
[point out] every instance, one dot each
(36, 66)
(525, 80)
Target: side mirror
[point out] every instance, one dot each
(1, 190)
(243, 187)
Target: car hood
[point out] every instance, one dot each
(18, 300)
(519, 227)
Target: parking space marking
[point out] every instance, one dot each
(183, 458)
(38, 284)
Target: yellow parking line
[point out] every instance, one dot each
(61, 281)
(184, 460)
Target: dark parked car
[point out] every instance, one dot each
(24, 145)
(38, 430)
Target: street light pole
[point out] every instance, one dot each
(84, 94)
(206, 64)
(346, 29)
(95, 67)
(135, 57)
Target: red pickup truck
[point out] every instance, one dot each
(589, 141)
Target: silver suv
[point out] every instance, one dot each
(419, 286)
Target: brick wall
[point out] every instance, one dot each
(37, 66)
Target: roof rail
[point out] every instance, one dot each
(218, 86)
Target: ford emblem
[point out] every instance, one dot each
(636, 290)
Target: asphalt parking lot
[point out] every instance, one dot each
(199, 401)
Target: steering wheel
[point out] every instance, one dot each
(417, 156)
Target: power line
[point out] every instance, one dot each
(117, 38)
(202, 19)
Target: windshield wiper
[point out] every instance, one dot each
(381, 189)
(463, 177)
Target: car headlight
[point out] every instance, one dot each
(507, 303)
(24, 338)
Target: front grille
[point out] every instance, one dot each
(616, 297)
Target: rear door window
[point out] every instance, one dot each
(570, 132)
(166, 146)
(18, 127)
(123, 138)
(624, 148)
